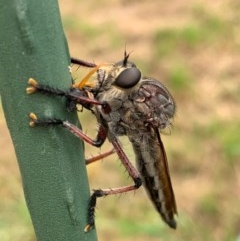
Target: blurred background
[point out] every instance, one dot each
(193, 47)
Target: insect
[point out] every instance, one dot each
(124, 103)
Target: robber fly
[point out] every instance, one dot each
(124, 103)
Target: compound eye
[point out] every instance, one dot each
(128, 78)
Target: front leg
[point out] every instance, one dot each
(74, 96)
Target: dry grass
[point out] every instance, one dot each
(193, 48)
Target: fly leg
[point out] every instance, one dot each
(73, 95)
(134, 174)
(82, 63)
(99, 157)
(101, 135)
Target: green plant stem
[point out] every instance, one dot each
(51, 161)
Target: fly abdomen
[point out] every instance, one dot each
(152, 165)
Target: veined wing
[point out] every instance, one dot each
(152, 164)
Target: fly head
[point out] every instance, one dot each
(123, 74)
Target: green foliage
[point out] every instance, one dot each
(170, 40)
(208, 206)
(10, 226)
(204, 30)
(179, 79)
(229, 138)
(130, 227)
(94, 36)
(89, 31)
(226, 134)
